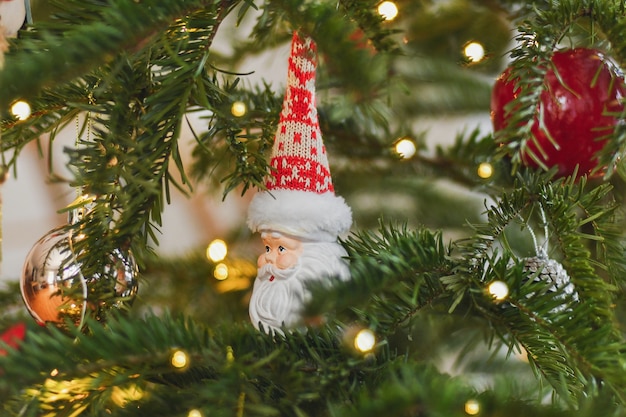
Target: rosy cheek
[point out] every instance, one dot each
(286, 261)
(261, 260)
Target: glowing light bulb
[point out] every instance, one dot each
(365, 340)
(217, 250)
(474, 51)
(388, 10)
(472, 407)
(485, 170)
(238, 108)
(179, 359)
(406, 148)
(499, 290)
(221, 271)
(194, 413)
(21, 110)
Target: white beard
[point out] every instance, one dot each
(278, 302)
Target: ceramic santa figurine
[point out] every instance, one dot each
(299, 217)
(12, 16)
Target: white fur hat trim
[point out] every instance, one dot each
(304, 214)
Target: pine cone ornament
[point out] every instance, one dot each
(552, 273)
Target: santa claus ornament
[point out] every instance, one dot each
(299, 217)
(578, 109)
(12, 16)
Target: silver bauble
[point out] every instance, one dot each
(55, 290)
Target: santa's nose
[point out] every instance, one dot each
(270, 258)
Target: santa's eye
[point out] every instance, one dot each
(281, 249)
(267, 249)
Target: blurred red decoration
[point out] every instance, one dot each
(13, 336)
(578, 109)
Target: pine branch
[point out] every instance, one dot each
(409, 265)
(282, 374)
(567, 345)
(72, 49)
(233, 150)
(407, 386)
(231, 369)
(404, 271)
(138, 69)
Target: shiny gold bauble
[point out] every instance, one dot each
(55, 290)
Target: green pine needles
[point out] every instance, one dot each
(130, 75)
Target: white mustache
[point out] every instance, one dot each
(267, 271)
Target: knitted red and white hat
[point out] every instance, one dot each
(300, 198)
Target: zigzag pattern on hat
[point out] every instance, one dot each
(299, 159)
(300, 199)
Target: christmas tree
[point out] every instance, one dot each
(504, 299)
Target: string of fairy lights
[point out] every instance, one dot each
(405, 148)
(179, 360)
(362, 341)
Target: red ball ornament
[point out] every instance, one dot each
(578, 109)
(13, 337)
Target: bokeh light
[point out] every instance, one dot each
(388, 10)
(238, 109)
(365, 340)
(217, 250)
(472, 407)
(474, 51)
(485, 170)
(499, 290)
(406, 148)
(220, 272)
(179, 359)
(21, 110)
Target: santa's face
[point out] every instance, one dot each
(280, 251)
(280, 291)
